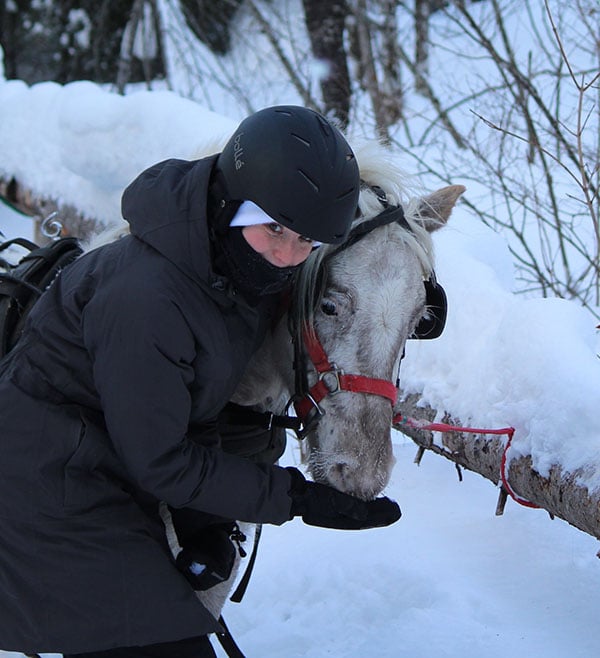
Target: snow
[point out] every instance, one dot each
(450, 579)
(14, 223)
(529, 363)
(87, 144)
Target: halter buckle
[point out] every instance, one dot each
(331, 379)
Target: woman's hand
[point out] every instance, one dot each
(326, 507)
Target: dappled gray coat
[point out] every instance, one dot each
(107, 407)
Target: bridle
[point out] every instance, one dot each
(330, 378)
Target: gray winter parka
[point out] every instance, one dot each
(108, 406)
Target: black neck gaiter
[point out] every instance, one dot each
(249, 272)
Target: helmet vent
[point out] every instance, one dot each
(301, 139)
(343, 195)
(310, 181)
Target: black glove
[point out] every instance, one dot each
(208, 558)
(327, 507)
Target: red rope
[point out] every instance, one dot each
(399, 419)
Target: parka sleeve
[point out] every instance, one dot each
(142, 351)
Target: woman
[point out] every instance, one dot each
(108, 403)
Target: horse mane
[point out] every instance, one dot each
(378, 171)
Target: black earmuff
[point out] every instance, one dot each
(433, 322)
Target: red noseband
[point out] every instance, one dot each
(332, 379)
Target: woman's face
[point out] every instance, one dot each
(277, 244)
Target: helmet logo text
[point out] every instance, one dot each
(238, 152)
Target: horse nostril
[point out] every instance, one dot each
(338, 469)
(338, 474)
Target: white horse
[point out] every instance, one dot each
(359, 304)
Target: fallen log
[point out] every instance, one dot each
(560, 493)
(38, 207)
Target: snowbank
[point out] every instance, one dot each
(82, 145)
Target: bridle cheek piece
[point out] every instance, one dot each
(332, 380)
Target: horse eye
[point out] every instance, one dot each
(329, 308)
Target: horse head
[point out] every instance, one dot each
(359, 304)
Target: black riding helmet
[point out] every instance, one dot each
(291, 162)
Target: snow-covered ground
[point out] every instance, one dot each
(449, 580)
(13, 223)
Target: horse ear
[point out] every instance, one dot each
(435, 208)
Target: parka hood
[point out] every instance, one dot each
(165, 207)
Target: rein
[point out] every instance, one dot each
(400, 420)
(332, 380)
